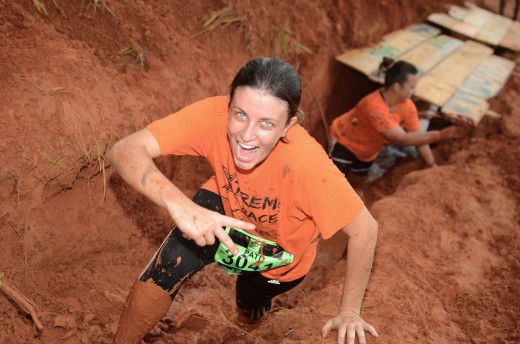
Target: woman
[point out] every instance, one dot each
(272, 182)
(385, 116)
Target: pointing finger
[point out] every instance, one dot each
(232, 222)
(226, 240)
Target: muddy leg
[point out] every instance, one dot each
(145, 307)
(254, 293)
(174, 263)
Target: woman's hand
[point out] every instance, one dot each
(348, 324)
(453, 132)
(202, 225)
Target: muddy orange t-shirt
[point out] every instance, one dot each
(360, 128)
(294, 197)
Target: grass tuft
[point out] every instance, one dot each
(41, 7)
(221, 19)
(46, 90)
(135, 51)
(98, 5)
(282, 42)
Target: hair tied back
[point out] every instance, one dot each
(386, 64)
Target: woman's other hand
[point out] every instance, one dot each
(348, 324)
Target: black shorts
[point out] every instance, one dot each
(347, 162)
(178, 259)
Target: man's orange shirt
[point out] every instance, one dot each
(294, 197)
(360, 128)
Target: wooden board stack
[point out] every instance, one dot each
(457, 76)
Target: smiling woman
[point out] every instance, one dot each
(264, 103)
(273, 195)
(256, 123)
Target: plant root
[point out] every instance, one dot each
(22, 302)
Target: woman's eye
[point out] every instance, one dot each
(240, 115)
(267, 124)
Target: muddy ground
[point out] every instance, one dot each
(74, 236)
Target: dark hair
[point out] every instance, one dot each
(275, 76)
(396, 71)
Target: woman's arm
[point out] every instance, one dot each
(401, 137)
(362, 232)
(426, 154)
(133, 158)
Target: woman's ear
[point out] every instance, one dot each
(396, 87)
(292, 122)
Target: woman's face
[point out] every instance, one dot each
(257, 121)
(407, 89)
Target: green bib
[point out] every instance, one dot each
(255, 254)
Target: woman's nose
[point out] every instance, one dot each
(249, 132)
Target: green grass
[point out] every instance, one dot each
(41, 7)
(46, 90)
(135, 51)
(221, 19)
(282, 42)
(98, 5)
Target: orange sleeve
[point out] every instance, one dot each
(190, 131)
(411, 117)
(211, 185)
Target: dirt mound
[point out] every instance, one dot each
(74, 236)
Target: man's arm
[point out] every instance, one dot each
(362, 232)
(133, 158)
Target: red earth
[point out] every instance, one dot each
(74, 236)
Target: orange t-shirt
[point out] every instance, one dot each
(294, 197)
(360, 128)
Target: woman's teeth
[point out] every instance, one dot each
(246, 152)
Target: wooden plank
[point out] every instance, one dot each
(426, 55)
(440, 84)
(477, 16)
(470, 101)
(489, 77)
(458, 13)
(453, 24)
(494, 30)
(480, 24)
(511, 39)
(394, 44)
(465, 107)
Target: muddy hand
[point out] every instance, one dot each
(203, 226)
(453, 132)
(348, 324)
